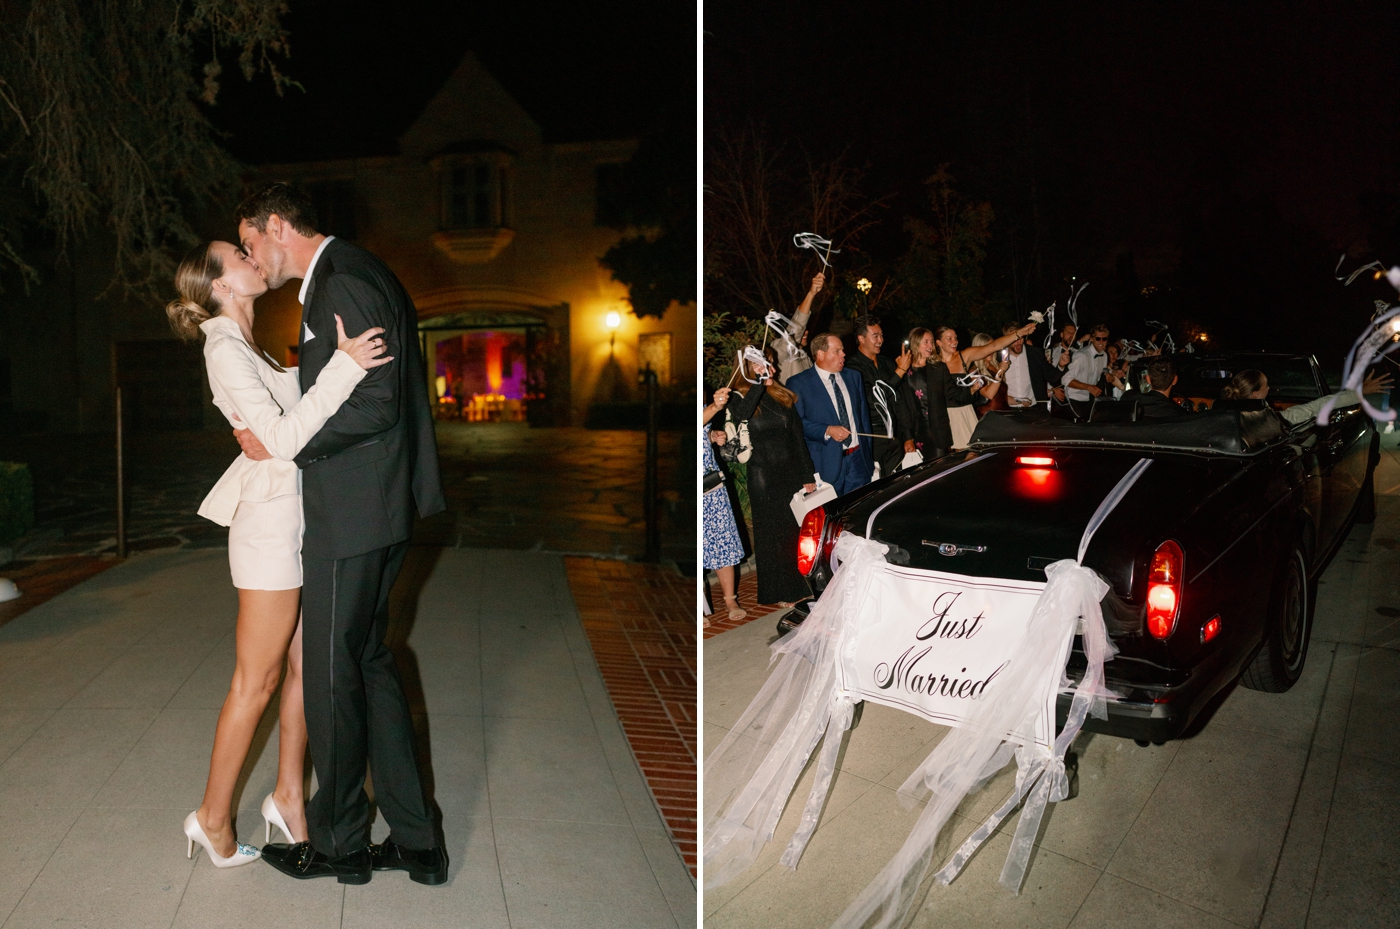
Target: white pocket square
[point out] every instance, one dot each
(307, 334)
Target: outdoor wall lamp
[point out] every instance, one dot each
(613, 319)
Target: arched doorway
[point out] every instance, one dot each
(496, 354)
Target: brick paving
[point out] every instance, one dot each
(640, 620)
(748, 595)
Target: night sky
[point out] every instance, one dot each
(1233, 151)
(584, 71)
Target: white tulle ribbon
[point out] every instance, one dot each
(751, 774)
(817, 244)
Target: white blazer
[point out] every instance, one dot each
(252, 394)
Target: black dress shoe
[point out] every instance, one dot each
(304, 862)
(425, 867)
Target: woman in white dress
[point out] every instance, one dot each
(260, 502)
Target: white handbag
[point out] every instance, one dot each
(911, 459)
(803, 502)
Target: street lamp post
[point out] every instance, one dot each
(653, 525)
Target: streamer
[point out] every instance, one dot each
(814, 242)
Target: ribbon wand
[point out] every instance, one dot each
(814, 242)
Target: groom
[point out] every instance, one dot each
(363, 475)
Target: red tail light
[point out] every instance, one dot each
(1035, 461)
(1164, 589)
(1210, 630)
(809, 540)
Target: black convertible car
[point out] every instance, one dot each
(1212, 559)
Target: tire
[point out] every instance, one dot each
(1280, 662)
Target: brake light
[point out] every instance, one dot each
(809, 540)
(1164, 589)
(1035, 461)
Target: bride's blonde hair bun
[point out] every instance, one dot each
(194, 281)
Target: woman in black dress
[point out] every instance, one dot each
(923, 398)
(779, 466)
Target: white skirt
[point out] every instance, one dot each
(264, 544)
(962, 420)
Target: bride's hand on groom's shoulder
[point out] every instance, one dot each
(364, 348)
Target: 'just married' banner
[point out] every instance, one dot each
(934, 644)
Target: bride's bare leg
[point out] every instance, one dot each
(266, 621)
(291, 748)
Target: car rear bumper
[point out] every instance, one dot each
(1147, 721)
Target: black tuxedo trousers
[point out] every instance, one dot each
(364, 474)
(355, 706)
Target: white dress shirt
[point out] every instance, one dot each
(252, 394)
(311, 269)
(1018, 378)
(846, 396)
(1086, 367)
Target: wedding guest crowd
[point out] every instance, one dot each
(850, 418)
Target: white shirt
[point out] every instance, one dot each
(846, 396)
(252, 394)
(311, 269)
(1085, 367)
(1018, 378)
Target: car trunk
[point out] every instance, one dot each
(1023, 517)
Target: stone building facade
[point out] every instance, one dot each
(492, 229)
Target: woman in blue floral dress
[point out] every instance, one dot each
(722, 548)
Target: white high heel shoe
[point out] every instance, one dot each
(194, 832)
(274, 818)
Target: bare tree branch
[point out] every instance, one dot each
(117, 137)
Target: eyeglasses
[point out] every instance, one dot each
(1105, 339)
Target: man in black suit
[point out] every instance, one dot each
(1158, 403)
(364, 475)
(880, 377)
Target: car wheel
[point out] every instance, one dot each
(1279, 663)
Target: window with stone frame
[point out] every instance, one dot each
(475, 194)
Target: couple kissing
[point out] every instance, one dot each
(338, 456)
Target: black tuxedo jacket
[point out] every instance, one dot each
(375, 461)
(1044, 374)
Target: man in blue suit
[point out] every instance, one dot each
(831, 402)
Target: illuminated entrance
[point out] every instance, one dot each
(497, 364)
(483, 376)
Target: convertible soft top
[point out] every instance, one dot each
(1225, 431)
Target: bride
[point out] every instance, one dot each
(260, 502)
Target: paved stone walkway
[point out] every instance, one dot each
(108, 698)
(508, 487)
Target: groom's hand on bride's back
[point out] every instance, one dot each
(252, 448)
